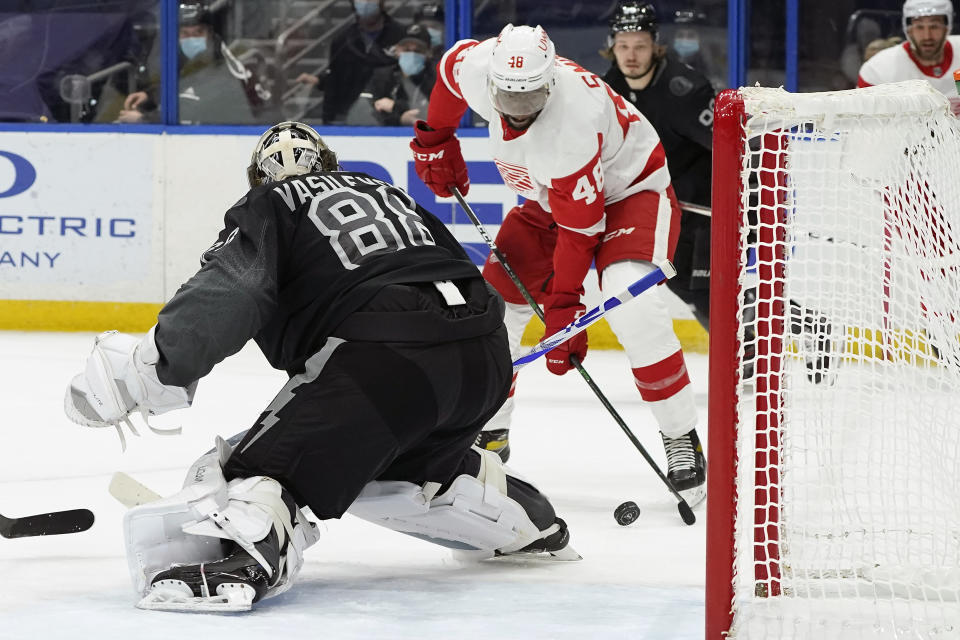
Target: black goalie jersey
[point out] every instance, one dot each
(297, 258)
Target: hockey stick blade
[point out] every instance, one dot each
(130, 492)
(46, 524)
(655, 277)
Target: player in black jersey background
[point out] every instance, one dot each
(678, 101)
(397, 356)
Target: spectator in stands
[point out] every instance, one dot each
(400, 94)
(214, 86)
(49, 51)
(354, 55)
(686, 38)
(430, 15)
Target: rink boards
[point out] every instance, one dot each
(98, 228)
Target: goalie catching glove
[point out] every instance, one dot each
(121, 377)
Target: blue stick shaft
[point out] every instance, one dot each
(652, 279)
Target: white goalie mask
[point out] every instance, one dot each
(922, 8)
(289, 149)
(521, 74)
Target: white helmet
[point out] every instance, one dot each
(920, 8)
(289, 149)
(521, 70)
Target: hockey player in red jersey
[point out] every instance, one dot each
(598, 190)
(930, 52)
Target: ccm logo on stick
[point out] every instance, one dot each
(24, 175)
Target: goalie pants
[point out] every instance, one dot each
(641, 230)
(364, 410)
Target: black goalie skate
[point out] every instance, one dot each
(555, 542)
(229, 585)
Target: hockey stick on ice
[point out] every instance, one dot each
(46, 524)
(686, 513)
(652, 279)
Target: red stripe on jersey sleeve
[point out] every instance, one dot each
(576, 202)
(447, 105)
(861, 83)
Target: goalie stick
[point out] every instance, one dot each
(130, 492)
(686, 513)
(46, 524)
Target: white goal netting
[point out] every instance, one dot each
(848, 409)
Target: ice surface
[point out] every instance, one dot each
(359, 581)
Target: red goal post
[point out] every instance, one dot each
(834, 448)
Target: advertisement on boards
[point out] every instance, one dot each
(76, 215)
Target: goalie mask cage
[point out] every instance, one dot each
(834, 440)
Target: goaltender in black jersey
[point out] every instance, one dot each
(297, 257)
(396, 354)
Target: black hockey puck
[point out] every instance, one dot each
(627, 513)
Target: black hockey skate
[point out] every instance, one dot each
(686, 466)
(556, 542)
(228, 585)
(496, 440)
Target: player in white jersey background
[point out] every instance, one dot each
(598, 190)
(930, 52)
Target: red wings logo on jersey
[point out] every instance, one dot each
(516, 177)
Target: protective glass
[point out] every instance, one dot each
(519, 103)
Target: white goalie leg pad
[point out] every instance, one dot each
(153, 532)
(474, 514)
(186, 528)
(120, 377)
(254, 508)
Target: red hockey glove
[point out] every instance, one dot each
(438, 161)
(561, 311)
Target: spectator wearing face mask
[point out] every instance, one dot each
(686, 39)
(430, 15)
(400, 94)
(214, 86)
(354, 55)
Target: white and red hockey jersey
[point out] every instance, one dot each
(899, 63)
(587, 148)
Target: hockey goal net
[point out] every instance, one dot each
(834, 434)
